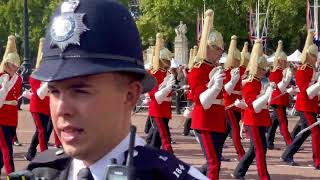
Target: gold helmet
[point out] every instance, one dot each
(279, 56)
(10, 54)
(193, 53)
(257, 59)
(209, 36)
(160, 54)
(40, 53)
(233, 54)
(245, 55)
(309, 49)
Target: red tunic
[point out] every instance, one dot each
(162, 110)
(230, 99)
(283, 100)
(9, 113)
(250, 91)
(189, 92)
(36, 104)
(303, 78)
(212, 119)
(242, 71)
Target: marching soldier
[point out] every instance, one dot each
(232, 86)
(306, 103)
(256, 115)
(280, 97)
(40, 111)
(206, 83)
(245, 57)
(95, 75)
(10, 87)
(188, 111)
(160, 96)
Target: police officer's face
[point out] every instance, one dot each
(92, 114)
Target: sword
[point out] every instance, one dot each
(308, 128)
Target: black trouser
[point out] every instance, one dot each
(147, 126)
(187, 126)
(45, 126)
(155, 136)
(258, 150)
(211, 145)
(6, 154)
(308, 118)
(279, 117)
(297, 127)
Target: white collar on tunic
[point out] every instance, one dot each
(98, 169)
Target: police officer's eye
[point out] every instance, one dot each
(82, 91)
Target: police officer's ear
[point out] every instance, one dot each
(133, 93)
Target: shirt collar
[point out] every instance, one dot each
(98, 169)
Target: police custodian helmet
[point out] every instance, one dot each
(87, 37)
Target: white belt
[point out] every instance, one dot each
(237, 92)
(218, 102)
(11, 103)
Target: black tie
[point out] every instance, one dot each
(85, 174)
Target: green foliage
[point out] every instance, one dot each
(286, 20)
(11, 22)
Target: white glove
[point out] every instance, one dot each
(27, 94)
(283, 84)
(292, 91)
(240, 104)
(164, 82)
(146, 101)
(262, 101)
(235, 76)
(43, 90)
(214, 72)
(5, 82)
(218, 81)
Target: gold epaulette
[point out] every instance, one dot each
(275, 69)
(303, 67)
(251, 78)
(198, 64)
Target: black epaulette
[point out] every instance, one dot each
(50, 164)
(151, 163)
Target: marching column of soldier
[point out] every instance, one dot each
(221, 100)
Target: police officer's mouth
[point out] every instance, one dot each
(71, 134)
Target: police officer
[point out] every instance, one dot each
(256, 115)
(92, 61)
(10, 87)
(307, 103)
(280, 97)
(206, 83)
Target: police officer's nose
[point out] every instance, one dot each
(62, 106)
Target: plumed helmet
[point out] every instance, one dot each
(10, 55)
(309, 49)
(257, 59)
(245, 55)
(233, 54)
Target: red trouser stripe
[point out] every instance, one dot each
(212, 158)
(166, 144)
(283, 122)
(56, 139)
(41, 132)
(235, 133)
(315, 134)
(5, 153)
(259, 150)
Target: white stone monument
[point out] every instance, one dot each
(181, 45)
